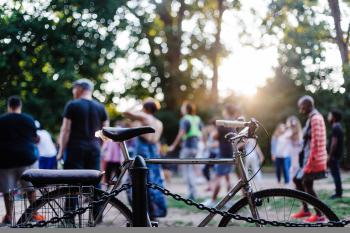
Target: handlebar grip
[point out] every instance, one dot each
(231, 124)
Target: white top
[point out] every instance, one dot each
(250, 147)
(46, 146)
(284, 145)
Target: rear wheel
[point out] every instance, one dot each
(277, 205)
(64, 199)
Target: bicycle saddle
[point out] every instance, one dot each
(123, 134)
(42, 177)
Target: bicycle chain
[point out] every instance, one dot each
(238, 217)
(79, 211)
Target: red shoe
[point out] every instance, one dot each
(38, 217)
(6, 220)
(301, 214)
(315, 218)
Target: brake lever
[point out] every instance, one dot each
(253, 125)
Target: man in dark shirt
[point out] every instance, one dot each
(82, 117)
(222, 171)
(18, 152)
(335, 150)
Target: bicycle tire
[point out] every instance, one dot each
(64, 191)
(272, 193)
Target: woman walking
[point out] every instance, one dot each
(280, 152)
(296, 139)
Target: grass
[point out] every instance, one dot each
(341, 207)
(172, 203)
(347, 180)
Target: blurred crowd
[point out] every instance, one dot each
(299, 154)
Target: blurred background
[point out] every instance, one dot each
(262, 55)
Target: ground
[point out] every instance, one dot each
(179, 214)
(193, 217)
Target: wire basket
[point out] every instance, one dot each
(31, 205)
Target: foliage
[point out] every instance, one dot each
(306, 31)
(177, 40)
(46, 45)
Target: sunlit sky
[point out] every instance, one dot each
(246, 67)
(242, 71)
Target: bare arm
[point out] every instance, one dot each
(138, 116)
(334, 143)
(261, 155)
(177, 139)
(105, 123)
(64, 136)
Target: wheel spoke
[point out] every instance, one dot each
(279, 203)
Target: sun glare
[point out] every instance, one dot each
(245, 70)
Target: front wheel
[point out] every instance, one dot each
(277, 205)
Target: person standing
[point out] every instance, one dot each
(313, 161)
(112, 160)
(46, 148)
(82, 117)
(294, 125)
(18, 153)
(212, 151)
(190, 134)
(280, 152)
(222, 171)
(147, 146)
(253, 159)
(335, 150)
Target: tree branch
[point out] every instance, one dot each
(347, 35)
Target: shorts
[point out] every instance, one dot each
(222, 169)
(82, 157)
(188, 153)
(9, 178)
(47, 162)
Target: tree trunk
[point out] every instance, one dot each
(173, 32)
(216, 50)
(341, 42)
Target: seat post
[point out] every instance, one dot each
(125, 151)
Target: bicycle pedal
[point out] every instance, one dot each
(258, 202)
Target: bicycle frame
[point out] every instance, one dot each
(243, 182)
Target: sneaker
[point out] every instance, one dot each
(315, 219)
(209, 203)
(301, 214)
(38, 217)
(6, 221)
(335, 196)
(191, 196)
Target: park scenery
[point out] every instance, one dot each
(168, 113)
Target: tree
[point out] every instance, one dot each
(306, 30)
(180, 43)
(45, 46)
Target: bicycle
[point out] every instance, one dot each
(275, 204)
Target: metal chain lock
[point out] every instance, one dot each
(238, 217)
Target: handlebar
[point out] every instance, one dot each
(231, 124)
(248, 131)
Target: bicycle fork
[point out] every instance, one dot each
(247, 189)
